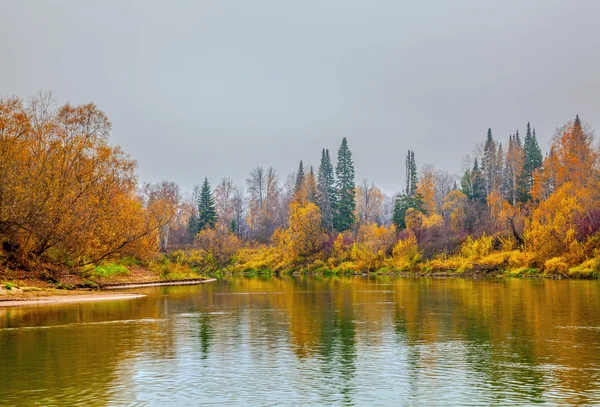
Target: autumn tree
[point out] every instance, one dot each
(263, 189)
(66, 194)
(223, 195)
(513, 170)
(165, 196)
(427, 189)
(369, 203)
(345, 201)
(305, 229)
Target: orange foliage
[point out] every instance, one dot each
(66, 194)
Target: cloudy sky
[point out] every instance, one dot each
(214, 88)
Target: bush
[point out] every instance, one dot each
(477, 248)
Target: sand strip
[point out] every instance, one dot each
(65, 299)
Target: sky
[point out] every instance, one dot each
(212, 89)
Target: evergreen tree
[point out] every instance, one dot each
(473, 184)
(345, 203)
(207, 215)
(410, 198)
(326, 190)
(402, 204)
(192, 227)
(299, 179)
(533, 161)
(310, 187)
(411, 174)
(489, 163)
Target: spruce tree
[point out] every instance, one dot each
(326, 190)
(299, 179)
(489, 163)
(533, 161)
(345, 204)
(192, 227)
(207, 215)
(310, 187)
(410, 198)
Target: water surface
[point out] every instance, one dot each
(311, 341)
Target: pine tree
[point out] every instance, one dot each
(410, 198)
(533, 160)
(326, 190)
(473, 184)
(299, 179)
(489, 163)
(207, 215)
(345, 204)
(310, 186)
(192, 227)
(411, 174)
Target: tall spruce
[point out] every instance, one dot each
(207, 215)
(326, 190)
(410, 198)
(299, 179)
(489, 163)
(411, 174)
(473, 183)
(345, 203)
(533, 160)
(310, 187)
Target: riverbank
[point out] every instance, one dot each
(73, 297)
(48, 283)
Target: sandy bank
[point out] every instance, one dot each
(64, 299)
(158, 283)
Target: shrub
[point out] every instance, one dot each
(477, 248)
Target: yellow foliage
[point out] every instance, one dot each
(66, 193)
(552, 232)
(477, 248)
(556, 265)
(455, 205)
(220, 243)
(305, 233)
(406, 255)
(433, 220)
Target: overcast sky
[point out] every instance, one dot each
(214, 88)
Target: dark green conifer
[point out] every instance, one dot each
(533, 158)
(345, 203)
(299, 178)
(326, 192)
(207, 215)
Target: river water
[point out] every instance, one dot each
(311, 341)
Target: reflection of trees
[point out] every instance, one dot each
(504, 333)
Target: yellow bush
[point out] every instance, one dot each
(475, 249)
(556, 265)
(406, 255)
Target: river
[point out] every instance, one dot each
(311, 341)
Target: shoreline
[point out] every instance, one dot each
(54, 296)
(68, 299)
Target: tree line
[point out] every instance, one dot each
(67, 196)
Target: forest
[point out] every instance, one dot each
(70, 199)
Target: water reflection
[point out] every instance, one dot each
(299, 340)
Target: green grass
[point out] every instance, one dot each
(9, 286)
(110, 269)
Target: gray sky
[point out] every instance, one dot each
(214, 88)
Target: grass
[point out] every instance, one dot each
(110, 269)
